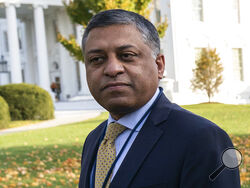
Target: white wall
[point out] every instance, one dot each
(68, 66)
(182, 37)
(217, 31)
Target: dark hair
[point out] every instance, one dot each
(119, 16)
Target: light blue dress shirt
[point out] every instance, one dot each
(129, 121)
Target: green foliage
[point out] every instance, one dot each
(27, 102)
(4, 114)
(208, 72)
(81, 11)
(162, 27)
(72, 46)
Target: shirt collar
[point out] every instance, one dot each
(131, 119)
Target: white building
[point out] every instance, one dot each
(220, 24)
(30, 53)
(28, 44)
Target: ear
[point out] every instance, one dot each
(160, 62)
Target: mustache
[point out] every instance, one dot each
(115, 83)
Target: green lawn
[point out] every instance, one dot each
(51, 157)
(234, 119)
(19, 123)
(23, 123)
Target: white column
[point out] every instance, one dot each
(15, 63)
(30, 71)
(41, 47)
(84, 86)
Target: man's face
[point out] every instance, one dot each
(122, 74)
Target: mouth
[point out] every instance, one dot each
(115, 85)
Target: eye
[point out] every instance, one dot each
(96, 60)
(127, 56)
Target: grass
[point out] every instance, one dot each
(44, 158)
(51, 157)
(23, 123)
(234, 119)
(19, 123)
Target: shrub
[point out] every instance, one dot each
(27, 102)
(4, 114)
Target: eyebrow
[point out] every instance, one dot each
(95, 51)
(123, 47)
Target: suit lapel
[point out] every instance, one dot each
(90, 154)
(143, 145)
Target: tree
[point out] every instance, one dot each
(81, 11)
(208, 72)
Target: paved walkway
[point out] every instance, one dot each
(61, 118)
(65, 112)
(86, 104)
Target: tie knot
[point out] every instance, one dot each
(113, 131)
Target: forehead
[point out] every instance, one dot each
(114, 36)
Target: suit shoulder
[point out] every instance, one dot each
(192, 123)
(198, 133)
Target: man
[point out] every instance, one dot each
(169, 147)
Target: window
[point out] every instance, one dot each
(237, 64)
(157, 10)
(19, 32)
(55, 30)
(6, 45)
(236, 11)
(23, 75)
(158, 15)
(197, 10)
(3, 64)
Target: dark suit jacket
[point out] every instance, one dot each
(174, 149)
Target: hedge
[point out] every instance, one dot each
(27, 102)
(4, 114)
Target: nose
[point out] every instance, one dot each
(113, 67)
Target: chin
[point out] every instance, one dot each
(120, 108)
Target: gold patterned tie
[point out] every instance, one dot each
(106, 153)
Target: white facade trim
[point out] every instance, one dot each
(39, 2)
